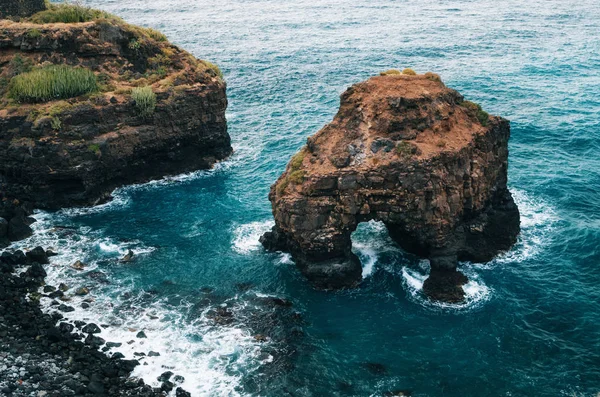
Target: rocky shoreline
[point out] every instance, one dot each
(44, 356)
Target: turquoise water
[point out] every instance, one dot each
(531, 325)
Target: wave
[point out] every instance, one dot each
(212, 358)
(476, 292)
(246, 237)
(538, 223)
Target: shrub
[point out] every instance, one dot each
(56, 124)
(409, 72)
(69, 13)
(34, 34)
(19, 65)
(145, 100)
(433, 76)
(296, 177)
(52, 82)
(135, 45)
(390, 72)
(214, 68)
(94, 148)
(475, 109)
(405, 149)
(297, 160)
(154, 34)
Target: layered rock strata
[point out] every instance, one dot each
(409, 152)
(75, 151)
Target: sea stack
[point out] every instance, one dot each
(405, 150)
(93, 104)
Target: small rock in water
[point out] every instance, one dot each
(63, 287)
(165, 376)
(153, 354)
(128, 257)
(91, 328)
(178, 379)
(85, 305)
(79, 265)
(66, 309)
(82, 291)
(38, 255)
(113, 344)
(49, 288)
(179, 392)
(141, 334)
(260, 338)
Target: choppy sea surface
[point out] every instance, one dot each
(237, 321)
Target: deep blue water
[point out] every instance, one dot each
(531, 326)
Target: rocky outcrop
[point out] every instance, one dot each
(20, 8)
(75, 151)
(14, 221)
(409, 152)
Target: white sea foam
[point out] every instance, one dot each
(212, 358)
(246, 237)
(476, 292)
(538, 221)
(121, 199)
(370, 241)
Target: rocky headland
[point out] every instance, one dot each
(88, 103)
(87, 107)
(405, 150)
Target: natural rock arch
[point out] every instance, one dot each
(409, 152)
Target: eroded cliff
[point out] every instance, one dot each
(410, 152)
(152, 109)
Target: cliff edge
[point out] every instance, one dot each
(95, 103)
(410, 152)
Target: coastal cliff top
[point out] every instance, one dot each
(393, 118)
(95, 56)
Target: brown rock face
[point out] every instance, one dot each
(76, 151)
(409, 152)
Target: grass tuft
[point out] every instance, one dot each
(94, 148)
(405, 149)
(409, 72)
(475, 109)
(52, 82)
(214, 68)
(433, 76)
(297, 177)
(390, 72)
(70, 13)
(145, 100)
(34, 33)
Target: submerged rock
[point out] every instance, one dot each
(412, 153)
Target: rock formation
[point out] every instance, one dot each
(407, 151)
(75, 151)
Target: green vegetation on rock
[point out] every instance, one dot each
(52, 82)
(475, 109)
(390, 72)
(409, 72)
(69, 13)
(145, 100)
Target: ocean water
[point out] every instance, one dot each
(237, 321)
